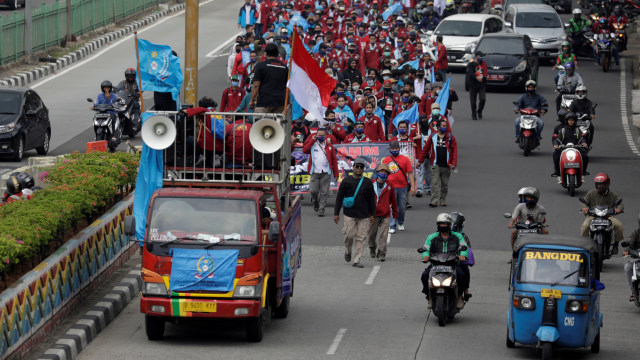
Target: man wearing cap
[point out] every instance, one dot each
(359, 217)
(401, 169)
(385, 206)
(323, 164)
(232, 96)
(477, 79)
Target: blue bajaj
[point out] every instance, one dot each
(554, 295)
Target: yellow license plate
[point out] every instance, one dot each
(550, 292)
(195, 306)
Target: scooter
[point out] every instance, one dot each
(635, 278)
(106, 123)
(528, 226)
(584, 123)
(443, 287)
(604, 51)
(570, 168)
(581, 43)
(601, 229)
(130, 116)
(528, 130)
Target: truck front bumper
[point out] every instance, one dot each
(210, 308)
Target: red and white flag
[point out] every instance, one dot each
(309, 84)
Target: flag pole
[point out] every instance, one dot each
(293, 44)
(135, 33)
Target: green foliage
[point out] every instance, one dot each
(76, 188)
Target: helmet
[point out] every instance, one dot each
(419, 7)
(449, 4)
(581, 92)
(571, 115)
(617, 9)
(602, 178)
(130, 74)
(577, 11)
(19, 181)
(444, 218)
(106, 83)
(521, 194)
(531, 191)
(530, 83)
(565, 43)
(458, 221)
(569, 65)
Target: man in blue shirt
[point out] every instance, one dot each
(531, 100)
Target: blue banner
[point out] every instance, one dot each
(414, 64)
(411, 115)
(443, 97)
(199, 269)
(291, 251)
(149, 180)
(391, 9)
(297, 20)
(159, 68)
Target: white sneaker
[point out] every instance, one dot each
(401, 227)
(392, 231)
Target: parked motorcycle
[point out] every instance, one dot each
(443, 285)
(570, 168)
(601, 229)
(635, 278)
(528, 130)
(130, 116)
(106, 123)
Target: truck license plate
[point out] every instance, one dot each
(196, 306)
(551, 292)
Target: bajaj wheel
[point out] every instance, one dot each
(255, 328)
(510, 344)
(571, 184)
(547, 350)
(595, 347)
(282, 311)
(440, 313)
(44, 149)
(604, 60)
(154, 327)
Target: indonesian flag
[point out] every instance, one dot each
(308, 83)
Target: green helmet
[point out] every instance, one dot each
(567, 44)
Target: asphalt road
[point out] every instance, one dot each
(388, 318)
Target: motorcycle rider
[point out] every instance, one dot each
(601, 195)
(449, 9)
(107, 97)
(129, 84)
(582, 105)
(618, 17)
(603, 28)
(565, 56)
(634, 244)
(599, 8)
(569, 134)
(523, 211)
(567, 83)
(531, 100)
(576, 24)
(448, 241)
(457, 226)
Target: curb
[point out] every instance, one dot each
(24, 78)
(96, 319)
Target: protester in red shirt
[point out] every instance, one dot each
(371, 54)
(237, 144)
(401, 169)
(441, 65)
(373, 128)
(232, 96)
(357, 135)
(385, 205)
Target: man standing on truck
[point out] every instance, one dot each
(357, 196)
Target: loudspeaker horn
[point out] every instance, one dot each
(266, 136)
(158, 132)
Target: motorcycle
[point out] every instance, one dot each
(581, 43)
(570, 168)
(620, 36)
(443, 287)
(528, 226)
(601, 229)
(635, 278)
(583, 122)
(130, 116)
(107, 125)
(528, 130)
(604, 50)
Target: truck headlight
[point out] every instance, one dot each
(245, 291)
(521, 67)
(154, 288)
(7, 128)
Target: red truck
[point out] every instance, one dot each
(222, 237)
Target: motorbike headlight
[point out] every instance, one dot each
(571, 155)
(601, 212)
(435, 282)
(7, 128)
(154, 288)
(521, 67)
(447, 281)
(245, 291)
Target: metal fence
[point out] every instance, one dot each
(49, 23)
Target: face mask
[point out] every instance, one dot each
(338, 47)
(438, 91)
(443, 130)
(238, 50)
(253, 60)
(387, 53)
(355, 87)
(235, 83)
(385, 27)
(420, 76)
(339, 93)
(320, 138)
(351, 41)
(530, 203)
(405, 99)
(351, 50)
(444, 228)
(394, 152)
(359, 131)
(361, 33)
(435, 112)
(322, 52)
(531, 91)
(299, 122)
(383, 176)
(480, 59)
(402, 131)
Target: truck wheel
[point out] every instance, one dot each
(282, 311)
(255, 328)
(154, 326)
(510, 344)
(547, 350)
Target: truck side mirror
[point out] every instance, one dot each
(274, 231)
(130, 225)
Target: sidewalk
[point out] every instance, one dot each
(633, 51)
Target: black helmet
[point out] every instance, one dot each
(130, 74)
(104, 84)
(458, 221)
(617, 9)
(19, 181)
(569, 115)
(531, 191)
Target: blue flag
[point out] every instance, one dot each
(149, 180)
(159, 68)
(414, 64)
(199, 269)
(411, 115)
(296, 109)
(298, 21)
(391, 9)
(443, 97)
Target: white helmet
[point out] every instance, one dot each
(580, 89)
(577, 11)
(444, 218)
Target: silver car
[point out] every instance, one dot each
(541, 23)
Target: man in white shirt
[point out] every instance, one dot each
(323, 164)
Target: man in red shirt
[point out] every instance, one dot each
(371, 54)
(401, 170)
(441, 65)
(373, 128)
(232, 96)
(385, 203)
(237, 144)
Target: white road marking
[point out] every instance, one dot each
(623, 109)
(373, 274)
(222, 46)
(336, 341)
(94, 56)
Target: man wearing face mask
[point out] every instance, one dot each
(419, 83)
(232, 96)
(387, 99)
(322, 58)
(373, 126)
(323, 164)
(531, 100)
(357, 135)
(401, 169)
(336, 133)
(385, 206)
(441, 149)
(477, 79)
(371, 54)
(338, 53)
(530, 208)
(299, 132)
(248, 70)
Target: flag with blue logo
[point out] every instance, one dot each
(149, 180)
(443, 97)
(200, 269)
(410, 115)
(392, 9)
(159, 68)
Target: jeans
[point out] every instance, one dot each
(424, 178)
(401, 199)
(539, 127)
(443, 74)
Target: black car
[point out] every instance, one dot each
(24, 123)
(510, 58)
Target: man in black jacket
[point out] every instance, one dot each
(569, 134)
(359, 217)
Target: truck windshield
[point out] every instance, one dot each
(206, 220)
(544, 266)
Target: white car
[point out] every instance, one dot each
(460, 30)
(541, 23)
